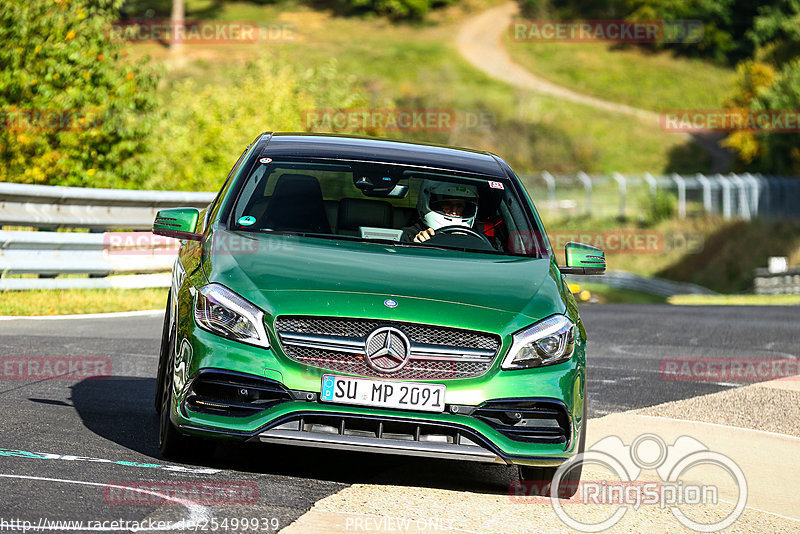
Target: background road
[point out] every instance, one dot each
(113, 419)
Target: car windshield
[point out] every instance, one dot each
(387, 204)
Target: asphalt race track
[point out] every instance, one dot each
(97, 432)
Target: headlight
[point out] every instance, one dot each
(547, 342)
(221, 311)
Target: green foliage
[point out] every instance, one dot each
(74, 111)
(660, 207)
(535, 9)
(770, 82)
(203, 129)
(398, 9)
(725, 22)
(781, 151)
(776, 31)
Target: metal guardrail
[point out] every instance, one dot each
(97, 209)
(55, 253)
(137, 281)
(777, 283)
(747, 196)
(635, 282)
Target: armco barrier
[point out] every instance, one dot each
(54, 253)
(777, 283)
(98, 209)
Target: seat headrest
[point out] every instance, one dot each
(297, 185)
(297, 204)
(355, 212)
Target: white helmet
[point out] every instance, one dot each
(433, 193)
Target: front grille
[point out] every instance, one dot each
(338, 344)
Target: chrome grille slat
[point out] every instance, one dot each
(436, 353)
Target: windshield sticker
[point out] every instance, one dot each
(496, 185)
(247, 220)
(265, 160)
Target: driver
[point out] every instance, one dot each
(442, 204)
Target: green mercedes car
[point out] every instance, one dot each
(372, 295)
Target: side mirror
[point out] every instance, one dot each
(179, 223)
(583, 259)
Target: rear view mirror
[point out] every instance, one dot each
(179, 223)
(583, 259)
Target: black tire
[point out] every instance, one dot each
(163, 356)
(539, 478)
(171, 442)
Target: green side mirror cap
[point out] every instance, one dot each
(180, 223)
(583, 259)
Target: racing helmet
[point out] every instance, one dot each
(433, 194)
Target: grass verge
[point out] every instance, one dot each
(735, 300)
(603, 294)
(627, 74)
(75, 301)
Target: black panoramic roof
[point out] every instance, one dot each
(355, 148)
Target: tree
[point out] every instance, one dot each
(75, 110)
(178, 15)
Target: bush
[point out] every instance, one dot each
(398, 9)
(202, 130)
(74, 112)
(660, 207)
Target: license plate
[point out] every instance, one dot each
(383, 393)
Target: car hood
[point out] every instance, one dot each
(299, 275)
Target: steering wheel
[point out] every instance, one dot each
(463, 230)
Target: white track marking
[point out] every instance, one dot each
(715, 424)
(113, 315)
(765, 511)
(198, 513)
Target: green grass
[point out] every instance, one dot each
(735, 300)
(638, 77)
(73, 301)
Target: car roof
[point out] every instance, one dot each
(358, 148)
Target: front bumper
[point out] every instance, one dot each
(491, 432)
(300, 419)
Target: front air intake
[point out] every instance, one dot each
(233, 394)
